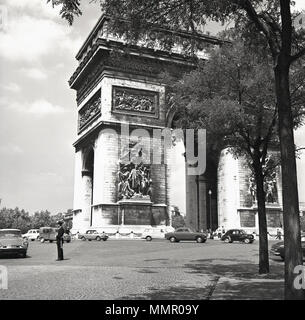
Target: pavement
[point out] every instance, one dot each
(136, 270)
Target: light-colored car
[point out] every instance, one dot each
(155, 233)
(49, 234)
(93, 235)
(11, 242)
(32, 234)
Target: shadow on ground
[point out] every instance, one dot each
(225, 279)
(233, 269)
(255, 289)
(172, 293)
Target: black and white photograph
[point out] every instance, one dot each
(152, 153)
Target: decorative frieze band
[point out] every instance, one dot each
(90, 110)
(135, 102)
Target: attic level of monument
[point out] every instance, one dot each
(100, 28)
(101, 42)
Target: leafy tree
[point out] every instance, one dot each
(42, 219)
(270, 20)
(231, 95)
(178, 221)
(176, 210)
(15, 219)
(20, 219)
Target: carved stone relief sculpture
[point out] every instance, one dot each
(90, 110)
(134, 101)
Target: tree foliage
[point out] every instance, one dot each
(178, 221)
(231, 95)
(15, 219)
(20, 219)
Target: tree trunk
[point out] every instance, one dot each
(291, 215)
(262, 221)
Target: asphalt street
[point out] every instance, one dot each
(135, 269)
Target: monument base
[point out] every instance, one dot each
(128, 216)
(137, 211)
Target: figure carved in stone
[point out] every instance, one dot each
(270, 188)
(129, 101)
(91, 108)
(252, 188)
(134, 180)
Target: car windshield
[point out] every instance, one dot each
(242, 232)
(10, 233)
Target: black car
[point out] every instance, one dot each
(237, 235)
(278, 250)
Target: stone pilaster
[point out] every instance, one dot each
(87, 197)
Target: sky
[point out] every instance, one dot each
(38, 109)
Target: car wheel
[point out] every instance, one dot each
(83, 238)
(247, 241)
(68, 241)
(282, 257)
(199, 239)
(23, 255)
(104, 239)
(51, 241)
(148, 238)
(42, 240)
(98, 238)
(172, 239)
(32, 239)
(228, 240)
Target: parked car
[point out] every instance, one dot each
(278, 249)
(237, 235)
(93, 235)
(155, 233)
(32, 234)
(186, 234)
(11, 242)
(49, 234)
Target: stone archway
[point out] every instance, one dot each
(200, 190)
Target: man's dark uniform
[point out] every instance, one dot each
(60, 242)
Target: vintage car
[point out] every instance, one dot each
(49, 234)
(277, 250)
(156, 233)
(186, 234)
(32, 234)
(237, 235)
(93, 235)
(12, 243)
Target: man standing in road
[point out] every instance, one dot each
(60, 241)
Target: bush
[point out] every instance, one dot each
(178, 221)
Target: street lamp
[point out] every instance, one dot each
(211, 224)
